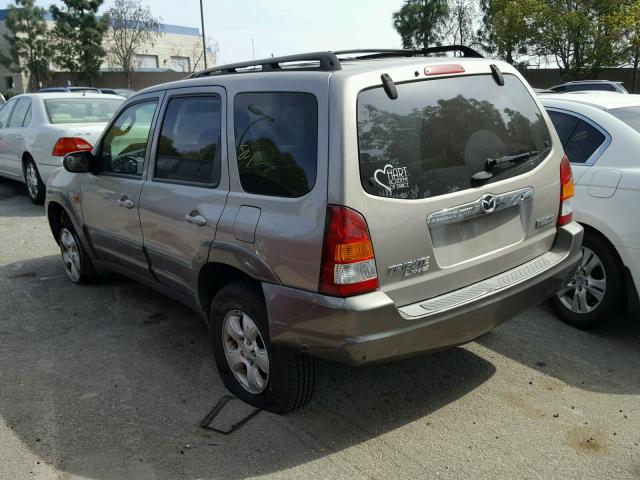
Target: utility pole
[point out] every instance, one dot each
(204, 42)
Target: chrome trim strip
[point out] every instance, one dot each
(482, 289)
(475, 209)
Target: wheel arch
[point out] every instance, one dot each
(215, 275)
(55, 213)
(594, 231)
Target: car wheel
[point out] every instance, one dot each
(255, 371)
(77, 264)
(35, 186)
(594, 294)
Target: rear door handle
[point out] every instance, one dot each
(125, 202)
(195, 218)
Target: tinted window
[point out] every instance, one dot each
(565, 124)
(276, 142)
(629, 115)
(81, 110)
(125, 144)
(189, 147)
(20, 112)
(584, 140)
(27, 117)
(438, 133)
(5, 112)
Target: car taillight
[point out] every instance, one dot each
(348, 264)
(566, 192)
(66, 145)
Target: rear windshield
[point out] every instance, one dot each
(81, 110)
(629, 115)
(433, 138)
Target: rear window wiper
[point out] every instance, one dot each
(489, 163)
(483, 176)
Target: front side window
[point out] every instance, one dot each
(276, 142)
(189, 146)
(125, 145)
(438, 133)
(5, 113)
(20, 112)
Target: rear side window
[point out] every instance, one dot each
(438, 133)
(583, 142)
(189, 147)
(565, 125)
(276, 142)
(20, 112)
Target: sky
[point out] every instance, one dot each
(280, 27)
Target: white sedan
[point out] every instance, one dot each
(37, 130)
(600, 133)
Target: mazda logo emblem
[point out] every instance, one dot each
(488, 203)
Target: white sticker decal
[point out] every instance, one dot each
(396, 177)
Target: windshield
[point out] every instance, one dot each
(81, 110)
(438, 133)
(629, 115)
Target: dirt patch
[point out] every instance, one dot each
(588, 441)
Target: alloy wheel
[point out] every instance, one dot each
(245, 351)
(70, 255)
(586, 290)
(32, 180)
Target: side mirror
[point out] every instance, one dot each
(78, 162)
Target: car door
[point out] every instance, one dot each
(187, 185)
(14, 135)
(110, 194)
(5, 115)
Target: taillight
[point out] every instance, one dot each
(443, 69)
(566, 192)
(66, 145)
(348, 264)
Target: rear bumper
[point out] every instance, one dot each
(370, 328)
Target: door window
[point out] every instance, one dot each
(276, 142)
(20, 112)
(125, 145)
(5, 113)
(189, 146)
(579, 138)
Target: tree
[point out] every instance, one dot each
(132, 27)
(460, 25)
(77, 38)
(420, 23)
(510, 27)
(28, 46)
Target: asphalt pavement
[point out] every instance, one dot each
(111, 381)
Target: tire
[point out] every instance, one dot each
(77, 264)
(597, 285)
(239, 333)
(35, 186)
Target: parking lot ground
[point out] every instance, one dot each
(111, 381)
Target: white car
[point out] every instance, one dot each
(600, 133)
(37, 130)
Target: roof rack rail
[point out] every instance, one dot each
(385, 52)
(326, 61)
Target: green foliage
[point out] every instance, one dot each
(420, 23)
(511, 27)
(77, 38)
(28, 50)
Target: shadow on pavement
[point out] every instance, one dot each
(111, 381)
(602, 360)
(15, 200)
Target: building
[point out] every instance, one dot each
(177, 49)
